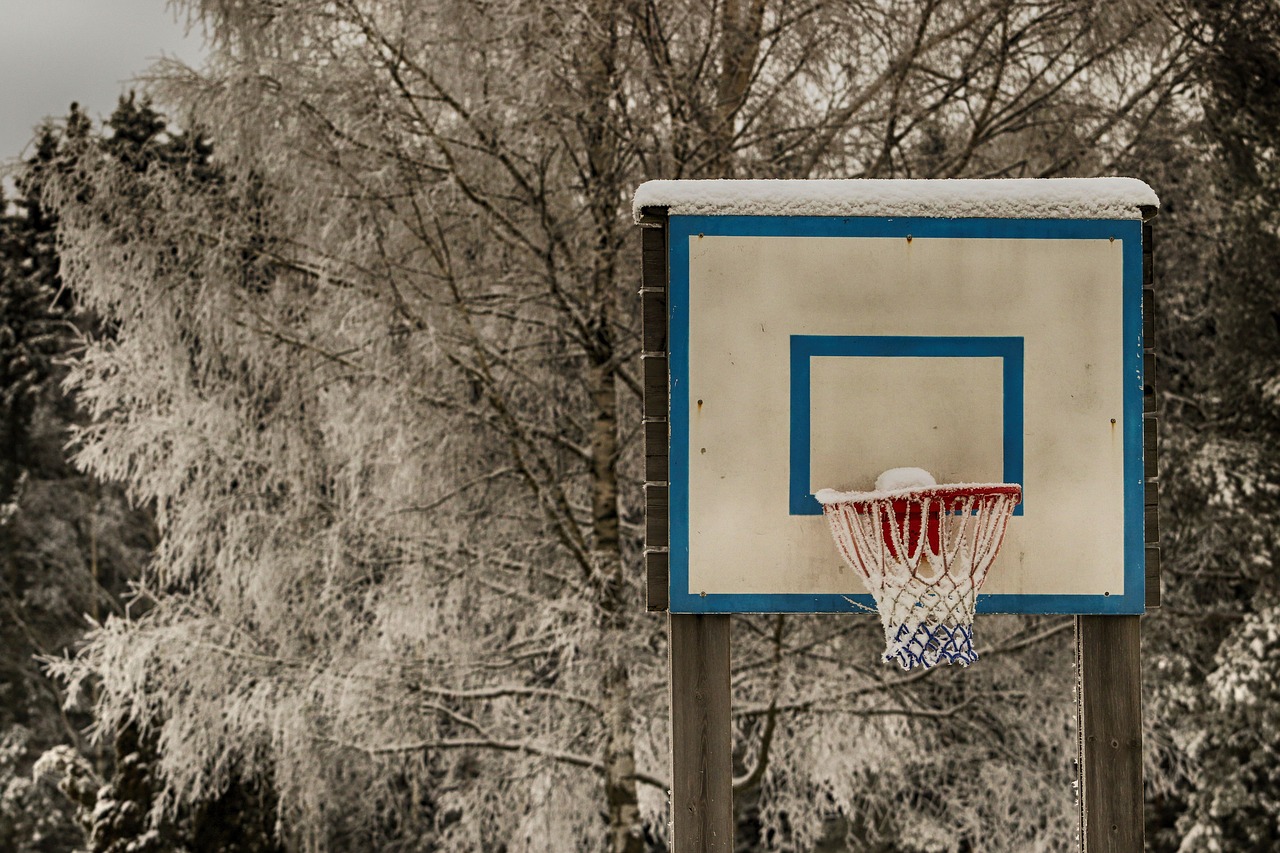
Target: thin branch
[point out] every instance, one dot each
(512, 690)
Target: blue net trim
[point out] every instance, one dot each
(930, 645)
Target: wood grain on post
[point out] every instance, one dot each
(655, 385)
(1148, 380)
(657, 572)
(656, 451)
(653, 297)
(1148, 318)
(1151, 525)
(653, 322)
(1153, 576)
(1148, 249)
(1110, 713)
(656, 509)
(701, 739)
(1150, 425)
(1150, 449)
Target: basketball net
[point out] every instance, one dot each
(924, 553)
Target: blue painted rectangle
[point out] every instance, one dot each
(805, 347)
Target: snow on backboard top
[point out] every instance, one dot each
(1005, 198)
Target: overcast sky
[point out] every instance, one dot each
(53, 52)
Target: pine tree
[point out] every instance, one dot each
(34, 617)
(31, 330)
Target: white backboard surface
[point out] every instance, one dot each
(812, 352)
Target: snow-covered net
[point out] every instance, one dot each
(924, 552)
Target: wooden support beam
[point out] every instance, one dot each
(1148, 319)
(1108, 654)
(657, 572)
(655, 385)
(701, 739)
(1153, 576)
(653, 320)
(656, 508)
(653, 297)
(656, 450)
(1150, 448)
(1150, 425)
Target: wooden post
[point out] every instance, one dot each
(1108, 650)
(701, 735)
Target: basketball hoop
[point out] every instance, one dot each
(924, 552)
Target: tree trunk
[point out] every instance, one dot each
(739, 48)
(603, 190)
(624, 833)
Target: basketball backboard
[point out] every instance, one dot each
(816, 351)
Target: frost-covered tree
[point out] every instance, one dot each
(70, 544)
(378, 381)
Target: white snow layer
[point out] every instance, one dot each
(1013, 198)
(891, 482)
(904, 478)
(833, 496)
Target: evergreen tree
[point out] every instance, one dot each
(32, 319)
(42, 590)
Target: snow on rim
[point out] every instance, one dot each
(1012, 198)
(826, 497)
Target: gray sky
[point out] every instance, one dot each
(53, 52)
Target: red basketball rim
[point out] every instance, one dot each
(908, 506)
(944, 495)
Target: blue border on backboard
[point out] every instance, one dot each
(681, 228)
(806, 347)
